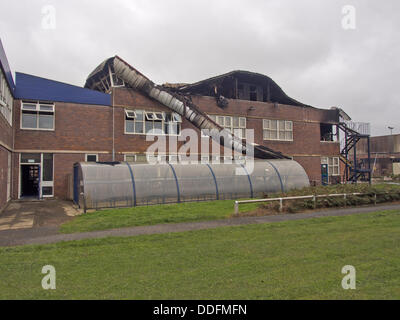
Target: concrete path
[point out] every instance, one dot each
(46, 235)
(32, 214)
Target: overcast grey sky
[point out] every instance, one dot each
(300, 44)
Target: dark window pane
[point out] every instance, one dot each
(30, 158)
(29, 120)
(166, 128)
(91, 158)
(47, 191)
(46, 108)
(47, 167)
(46, 121)
(29, 106)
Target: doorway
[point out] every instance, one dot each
(30, 180)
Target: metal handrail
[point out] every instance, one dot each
(314, 197)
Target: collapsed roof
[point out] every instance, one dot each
(116, 72)
(238, 84)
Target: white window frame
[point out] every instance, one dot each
(37, 110)
(6, 99)
(91, 154)
(42, 183)
(112, 80)
(331, 167)
(227, 122)
(178, 158)
(135, 156)
(155, 117)
(268, 128)
(129, 113)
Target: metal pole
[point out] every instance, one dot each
(369, 160)
(236, 207)
(355, 162)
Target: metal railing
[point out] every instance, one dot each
(313, 197)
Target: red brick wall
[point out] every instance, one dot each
(3, 176)
(85, 128)
(77, 127)
(5, 149)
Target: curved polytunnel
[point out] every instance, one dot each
(99, 185)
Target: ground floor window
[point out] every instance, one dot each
(91, 157)
(143, 158)
(36, 175)
(333, 165)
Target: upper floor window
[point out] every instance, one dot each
(328, 132)
(6, 99)
(277, 130)
(235, 125)
(37, 116)
(152, 122)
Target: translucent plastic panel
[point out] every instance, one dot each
(111, 186)
(231, 185)
(292, 174)
(196, 182)
(107, 186)
(264, 179)
(154, 184)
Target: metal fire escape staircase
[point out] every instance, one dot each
(355, 168)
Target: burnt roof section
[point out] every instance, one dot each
(226, 85)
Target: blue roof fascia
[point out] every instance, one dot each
(31, 87)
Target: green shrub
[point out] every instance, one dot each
(385, 193)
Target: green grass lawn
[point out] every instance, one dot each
(213, 210)
(288, 260)
(151, 215)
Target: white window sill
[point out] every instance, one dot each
(34, 129)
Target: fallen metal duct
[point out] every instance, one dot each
(185, 108)
(177, 102)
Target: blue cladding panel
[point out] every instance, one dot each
(6, 68)
(36, 88)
